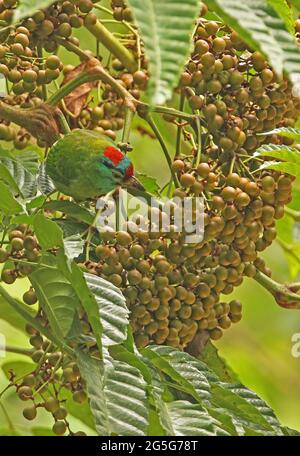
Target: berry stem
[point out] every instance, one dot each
(179, 128)
(158, 135)
(112, 44)
(72, 48)
(282, 293)
(293, 213)
(93, 73)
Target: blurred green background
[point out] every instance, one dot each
(258, 348)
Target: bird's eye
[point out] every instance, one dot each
(117, 175)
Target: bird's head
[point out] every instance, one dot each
(120, 168)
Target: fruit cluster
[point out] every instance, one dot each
(55, 380)
(174, 289)
(29, 62)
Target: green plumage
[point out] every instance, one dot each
(75, 164)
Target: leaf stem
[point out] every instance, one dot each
(179, 128)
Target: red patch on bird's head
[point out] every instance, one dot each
(114, 155)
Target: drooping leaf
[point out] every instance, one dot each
(188, 367)
(74, 246)
(48, 233)
(149, 183)
(166, 29)
(8, 203)
(56, 296)
(286, 42)
(71, 209)
(289, 132)
(188, 419)
(212, 359)
(45, 183)
(112, 309)
(19, 368)
(117, 396)
(285, 12)
(237, 407)
(22, 181)
(27, 7)
(243, 18)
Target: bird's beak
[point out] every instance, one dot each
(132, 182)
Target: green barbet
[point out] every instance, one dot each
(86, 164)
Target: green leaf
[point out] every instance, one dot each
(56, 296)
(243, 17)
(20, 368)
(48, 232)
(71, 209)
(22, 181)
(6, 176)
(117, 395)
(286, 42)
(164, 364)
(285, 12)
(289, 168)
(189, 368)
(236, 406)
(8, 314)
(112, 309)
(74, 246)
(149, 183)
(217, 364)
(189, 419)
(289, 132)
(28, 7)
(166, 30)
(8, 203)
(45, 184)
(288, 154)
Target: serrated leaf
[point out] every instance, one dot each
(71, 209)
(289, 168)
(27, 7)
(74, 246)
(45, 183)
(286, 42)
(149, 183)
(166, 30)
(117, 395)
(243, 18)
(187, 367)
(285, 12)
(289, 132)
(56, 296)
(237, 407)
(22, 181)
(112, 308)
(189, 419)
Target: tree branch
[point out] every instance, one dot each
(105, 37)
(283, 294)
